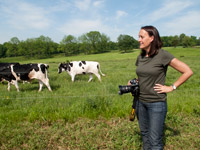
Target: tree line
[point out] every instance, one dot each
(89, 43)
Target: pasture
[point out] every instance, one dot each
(84, 115)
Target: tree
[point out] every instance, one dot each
(12, 47)
(84, 45)
(103, 43)
(198, 41)
(69, 45)
(126, 42)
(175, 41)
(194, 40)
(181, 37)
(93, 42)
(187, 41)
(167, 41)
(93, 38)
(2, 51)
(112, 45)
(41, 47)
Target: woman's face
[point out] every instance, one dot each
(145, 40)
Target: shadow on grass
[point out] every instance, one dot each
(169, 132)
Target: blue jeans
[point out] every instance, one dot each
(151, 118)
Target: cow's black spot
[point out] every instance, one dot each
(84, 73)
(80, 64)
(84, 62)
(43, 68)
(35, 67)
(71, 64)
(83, 68)
(69, 68)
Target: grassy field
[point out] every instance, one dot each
(88, 116)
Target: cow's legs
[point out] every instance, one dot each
(98, 76)
(40, 85)
(91, 77)
(16, 85)
(8, 86)
(73, 77)
(46, 82)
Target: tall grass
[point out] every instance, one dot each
(71, 102)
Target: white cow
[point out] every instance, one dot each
(81, 67)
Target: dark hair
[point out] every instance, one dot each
(156, 44)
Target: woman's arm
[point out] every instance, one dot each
(183, 68)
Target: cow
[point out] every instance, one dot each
(26, 72)
(81, 67)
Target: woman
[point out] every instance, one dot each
(151, 70)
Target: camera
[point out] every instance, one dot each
(133, 88)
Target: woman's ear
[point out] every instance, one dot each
(152, 38)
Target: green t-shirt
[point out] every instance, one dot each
(151, 71)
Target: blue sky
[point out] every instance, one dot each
(57, 18)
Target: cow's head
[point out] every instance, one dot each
(64, 67)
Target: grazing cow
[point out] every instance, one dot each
(81, 67)
(26, 72)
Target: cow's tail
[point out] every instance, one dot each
(13, 73)
(98, 66)
(46, 70)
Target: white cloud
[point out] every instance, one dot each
(82, 4)
(188, 24)
(22, 15)
(169, 9)
(60, 5)
(79, 26)
(120, 14)
(98, 3)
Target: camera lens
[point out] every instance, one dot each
(124, 89)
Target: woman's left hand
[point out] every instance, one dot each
(162, 88)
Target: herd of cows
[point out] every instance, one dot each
(14, 72)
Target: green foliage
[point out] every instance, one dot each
(69, 45)
(127, 43)
(188, 42)
(41, 47)
(2, 51)
(181, 40)
(92, 42)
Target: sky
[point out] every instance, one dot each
(55, 19)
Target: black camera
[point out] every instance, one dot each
(133, 88)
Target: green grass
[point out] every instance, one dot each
(84, 115)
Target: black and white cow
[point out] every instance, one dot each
(26, 72)
(81, 67)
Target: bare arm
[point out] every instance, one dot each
(183, 68)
